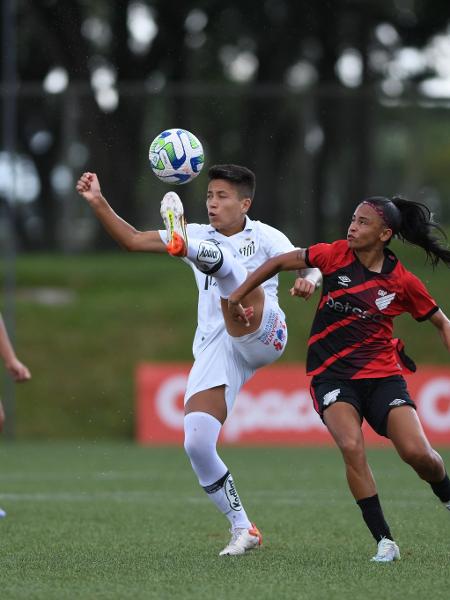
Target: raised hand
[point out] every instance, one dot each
(88, 186)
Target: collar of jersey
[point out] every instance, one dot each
(248, 226)
(389, 263)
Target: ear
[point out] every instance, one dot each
(386, 234)
(246, 203)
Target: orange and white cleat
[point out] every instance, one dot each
(242, 540)
(172, 213)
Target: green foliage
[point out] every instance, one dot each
(122, 309)
(118, 522)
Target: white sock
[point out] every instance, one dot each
(213, 259)
(201, 434)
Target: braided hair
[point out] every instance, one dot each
(412, 222)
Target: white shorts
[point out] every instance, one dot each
(231, 361)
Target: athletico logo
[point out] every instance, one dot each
(397, 402)
(384, 300)
(331, 397)
(209, 257)
(231, 494)
(354, 310)
(344, 280)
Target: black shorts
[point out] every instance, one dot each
(372, 398)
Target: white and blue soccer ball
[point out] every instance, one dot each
(176, 156)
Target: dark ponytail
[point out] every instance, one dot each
(412, 222)
(417, 227)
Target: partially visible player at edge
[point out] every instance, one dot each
(354, 362)
(226, 353)
(18, 371)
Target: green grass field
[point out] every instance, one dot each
(117, 521)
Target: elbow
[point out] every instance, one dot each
(130, 243)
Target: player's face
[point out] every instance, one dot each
(226, 210)
(367, 229)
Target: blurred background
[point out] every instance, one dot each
(326, 100)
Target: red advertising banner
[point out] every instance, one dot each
(274, 407)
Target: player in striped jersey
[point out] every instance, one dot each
(355, 364)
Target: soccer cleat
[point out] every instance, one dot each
(242, 540)
(2, 513)
(172, 214)
(387, 551)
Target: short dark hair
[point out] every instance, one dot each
(241, 177)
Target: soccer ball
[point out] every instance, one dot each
(176, 156)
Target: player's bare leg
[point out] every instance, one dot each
(407, 434)
(344, 424)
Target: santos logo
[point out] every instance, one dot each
(354, 310)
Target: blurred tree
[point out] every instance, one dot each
(300, 70)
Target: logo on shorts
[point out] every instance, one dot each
(331, 397)
(231, 494)
(384, 300)
(397, 402)
(344, 280)
(280, 337)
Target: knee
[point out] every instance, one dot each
(352, 449)
(420, 457)
(195, 445)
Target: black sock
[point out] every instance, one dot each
(374, 518)
(442, 489)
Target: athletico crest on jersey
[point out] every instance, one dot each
(352, 329)
(384, 300)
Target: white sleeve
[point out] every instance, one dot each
(276, 242)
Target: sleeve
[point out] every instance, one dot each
(418, 300)
(277, 242)
(320, 256)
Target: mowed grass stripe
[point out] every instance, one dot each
(148, 531)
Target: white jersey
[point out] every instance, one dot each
(252, 246)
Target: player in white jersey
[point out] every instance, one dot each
(226, 352)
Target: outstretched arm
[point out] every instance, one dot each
(125, 234)
(440, 320)
(290, 261)
(17, 370)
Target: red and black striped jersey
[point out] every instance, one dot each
(351, 335)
